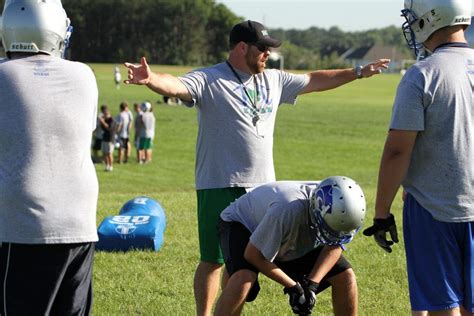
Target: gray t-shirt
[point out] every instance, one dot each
(277, 215)
(435, 98)
(48, 184)
(231, 151)
(148, 125)
(124, 119)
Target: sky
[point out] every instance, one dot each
(348, 15)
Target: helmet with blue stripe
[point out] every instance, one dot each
(337, 210)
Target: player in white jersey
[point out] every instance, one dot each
(430, 151)
(48, 183)
(237, 102)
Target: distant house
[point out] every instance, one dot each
(365, 54)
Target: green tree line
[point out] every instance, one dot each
(185, 32)
(195, 32)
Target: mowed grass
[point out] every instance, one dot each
(339, 132)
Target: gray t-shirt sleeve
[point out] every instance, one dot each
(195, 82)
(292, 84)
(408, 110)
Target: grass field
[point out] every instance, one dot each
(340, 132)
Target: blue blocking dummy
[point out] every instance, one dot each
(141, 224)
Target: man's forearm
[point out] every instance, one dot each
(168, 85)
(271, 270)
(326, 260)
(322, 80)
(393, 168)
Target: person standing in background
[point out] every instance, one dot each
(147, 133)
(123, 125)
(136, 123)
(108, 138)
(117, 77)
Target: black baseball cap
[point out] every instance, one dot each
(253, 33)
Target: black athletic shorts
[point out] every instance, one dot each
(124, 143)
(53, 279)
(234, 238)
(97, 144)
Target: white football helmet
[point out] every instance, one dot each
(34, 26)
(423, 17)
(337, 210)
(145, 106)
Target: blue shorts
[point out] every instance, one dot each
(440, 260)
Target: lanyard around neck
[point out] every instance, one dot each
(255, 99)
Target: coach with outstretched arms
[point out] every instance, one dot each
(237, 101)
(48, 183)
(430, 151)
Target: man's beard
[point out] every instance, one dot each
(253, 64)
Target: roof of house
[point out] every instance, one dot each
(356, 52)
(376, 51)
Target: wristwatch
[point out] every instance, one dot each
(358, 71)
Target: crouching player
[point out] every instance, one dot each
(294, 234)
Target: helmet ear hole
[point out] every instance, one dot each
(421, 24)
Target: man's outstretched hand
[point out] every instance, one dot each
(375, 68)
(138, 74)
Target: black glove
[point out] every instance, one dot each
(297, 299)
(379, 230)
(310, 288)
